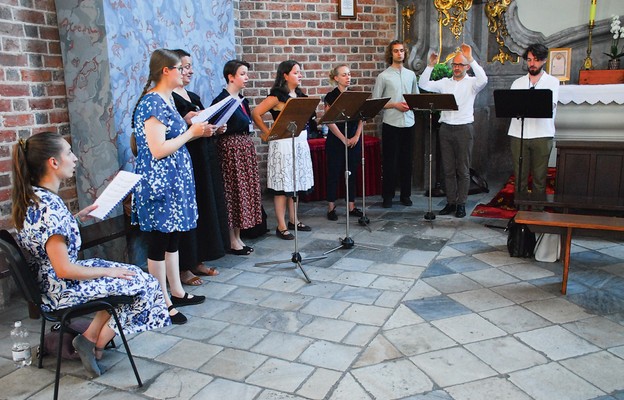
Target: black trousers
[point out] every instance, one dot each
(397, 159)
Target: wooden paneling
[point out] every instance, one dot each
(593, 169)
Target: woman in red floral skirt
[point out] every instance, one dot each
(239, 162)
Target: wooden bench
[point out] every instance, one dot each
(567, 202)
(567, 223)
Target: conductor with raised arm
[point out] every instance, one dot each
(456, 130)
(397, 132)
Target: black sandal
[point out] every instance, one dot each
(284, 234)
(331, 215)
(300, 227)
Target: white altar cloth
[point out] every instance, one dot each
(591, 94)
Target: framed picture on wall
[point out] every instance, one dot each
(559, 63)
(347, 9)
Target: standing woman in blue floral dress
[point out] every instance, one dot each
(48, 234)
(164, 202)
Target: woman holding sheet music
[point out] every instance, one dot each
(335, 144)
(239, 163)
(49, 236)
(279, 164)
(210, 239)
(164, 202)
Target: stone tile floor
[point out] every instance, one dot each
(435, 311)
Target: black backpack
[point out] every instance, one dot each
(520, 240)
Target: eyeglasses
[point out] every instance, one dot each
(179, 68)
(458, 65)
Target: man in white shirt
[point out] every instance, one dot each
(538, 132)
(397, 132)
(456, 130)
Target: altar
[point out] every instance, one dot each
(589, 150)
(590, 113)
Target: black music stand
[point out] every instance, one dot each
(523, 103)
(367, 112)
(431, 102)
(344, 109)
(296, 113)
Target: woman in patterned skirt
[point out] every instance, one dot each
(279, 164)
(49, 236)
(243, 195)
(164, 202)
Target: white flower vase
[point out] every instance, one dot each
(613, 63)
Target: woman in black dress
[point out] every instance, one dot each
(210, 239)
(335, 146)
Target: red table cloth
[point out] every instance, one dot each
(372, 152)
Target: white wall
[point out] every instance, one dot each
(552, 16)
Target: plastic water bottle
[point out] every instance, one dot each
(324, 130)
(21, 346)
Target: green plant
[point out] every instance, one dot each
(441, 71)
(618, 33)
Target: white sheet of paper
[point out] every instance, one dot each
(209, 112)
(114, 193)
(226, 116)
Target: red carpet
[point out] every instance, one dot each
(501, 206)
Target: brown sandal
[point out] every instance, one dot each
(192, 281)
(206, 271)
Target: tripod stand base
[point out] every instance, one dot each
(429, 216)
(296, 259)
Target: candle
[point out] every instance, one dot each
(592, 11)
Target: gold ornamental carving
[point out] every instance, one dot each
(453, 13)
(407, 14)
(495, 12)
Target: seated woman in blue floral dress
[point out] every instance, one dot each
(49, 236)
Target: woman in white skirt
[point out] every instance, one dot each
(279, 165)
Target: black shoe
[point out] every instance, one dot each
(245, 251)
(301, 227)
(356, 212)
(284, 234)
(186, 300)
(448, 209)
(461, 211)
(387, 203)
(177, 318)
(406, 201)
(331, 215)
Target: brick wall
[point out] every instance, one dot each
(310, 32)
(32, 91)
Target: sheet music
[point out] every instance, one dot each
(225, 107)
(114, 193)
(223, 119)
